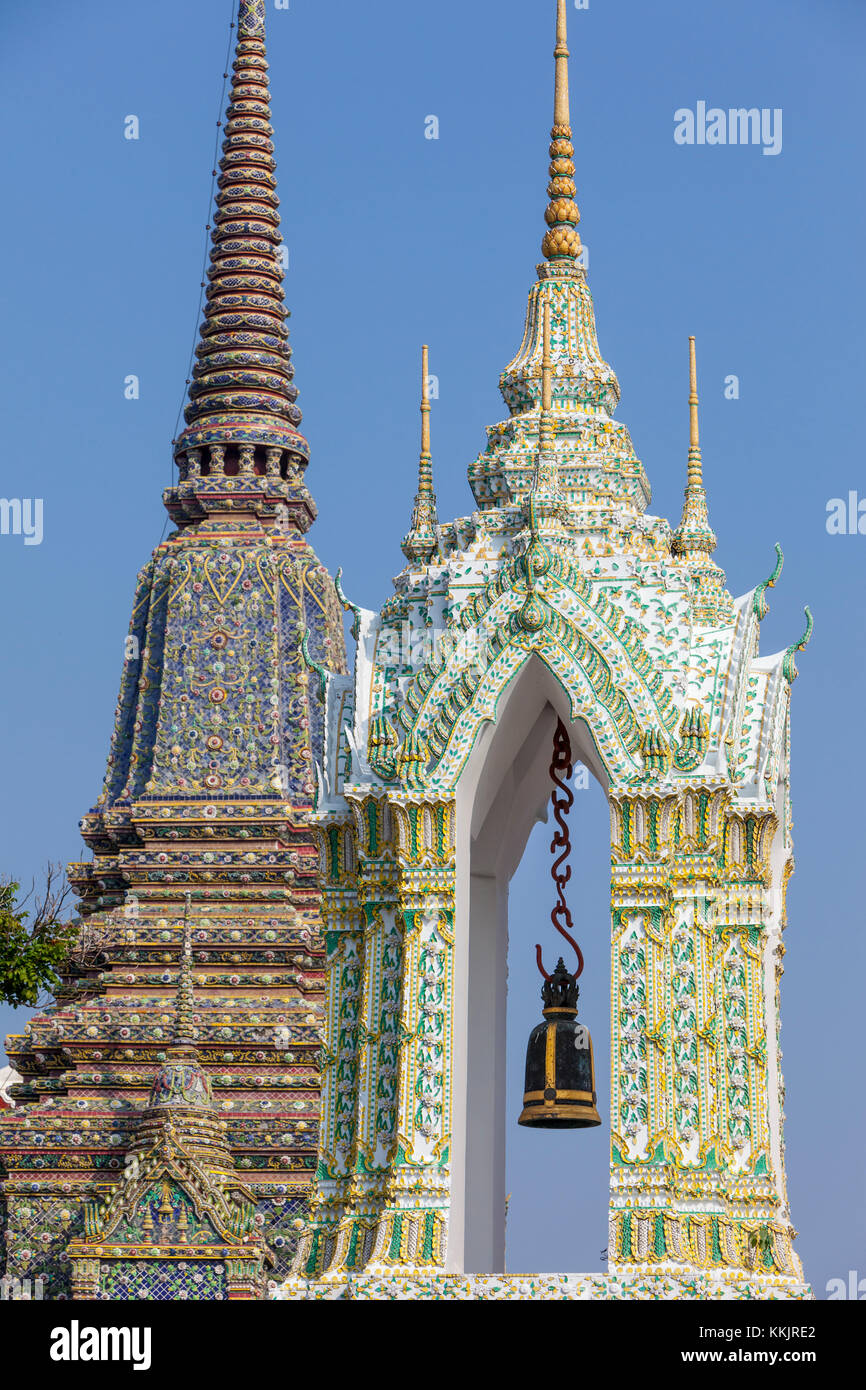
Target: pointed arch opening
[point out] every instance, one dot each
(502, 794)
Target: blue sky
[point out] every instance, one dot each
(397, 240)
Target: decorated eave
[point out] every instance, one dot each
(180, 1197)
(226, 1210)
(720, 711)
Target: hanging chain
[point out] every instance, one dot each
(561, 800)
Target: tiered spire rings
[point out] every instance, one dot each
(242, 418)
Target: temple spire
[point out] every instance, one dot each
(694, 536)
(421, 543)
(561, 242)
(242, 419)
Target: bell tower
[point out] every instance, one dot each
(559, 602)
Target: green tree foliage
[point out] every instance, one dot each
(35, 943)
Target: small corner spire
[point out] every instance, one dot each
(694, 536)
(561, 242)
(421, 544)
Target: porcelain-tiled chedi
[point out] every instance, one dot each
(208, 791)
(561, 564)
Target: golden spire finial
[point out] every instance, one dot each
(695, 468)
(425, 402)
(694, 536)
(562, 241)
(421, 543)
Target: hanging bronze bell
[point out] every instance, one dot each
(560, 1074)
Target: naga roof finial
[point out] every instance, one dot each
(789, 661)
(421, 543)
(760, 605)
(694, 536)
(561, 242)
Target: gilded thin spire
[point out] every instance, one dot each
(422, 542)
(425, 410)
(695, 476)
(694, 536)
(561, 241)
(561, 112)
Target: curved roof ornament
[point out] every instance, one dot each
(348, 606)
(789, 664)
(321, 671)
(760, 605)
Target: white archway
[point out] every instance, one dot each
(502, 793)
